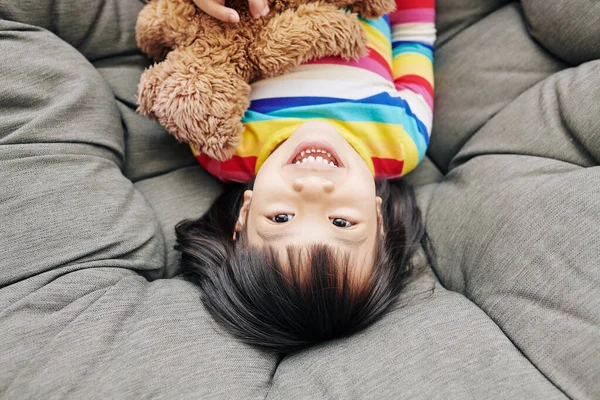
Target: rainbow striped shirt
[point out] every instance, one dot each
(382, 104)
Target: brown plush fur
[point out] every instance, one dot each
(199, 89)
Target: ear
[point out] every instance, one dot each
(378, 202)
(243, 216)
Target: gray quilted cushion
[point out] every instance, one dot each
(569, 29)
(90, 302)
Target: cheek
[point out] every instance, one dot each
(364, 173)
(266, 177)
(362, 185)
(265, 191)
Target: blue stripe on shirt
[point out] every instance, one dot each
(402, 42)
(415, 48)
(395, 111)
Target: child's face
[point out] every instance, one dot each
(313, 201)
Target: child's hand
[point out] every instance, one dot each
(217, 9)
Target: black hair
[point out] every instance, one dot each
(312, 296)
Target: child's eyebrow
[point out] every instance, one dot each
(276, 236)
(351, 242)
(272, 236)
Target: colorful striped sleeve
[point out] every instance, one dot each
(413, 38)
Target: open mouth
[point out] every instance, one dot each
(315, 153)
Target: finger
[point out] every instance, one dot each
(216, 9)
(258, 8)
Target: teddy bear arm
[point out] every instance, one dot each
(149, 32)
(313, 30)
(372, 9)
(198, 101)
(165, 24)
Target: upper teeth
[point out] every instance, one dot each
(322, 157)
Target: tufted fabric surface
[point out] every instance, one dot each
(90, 302)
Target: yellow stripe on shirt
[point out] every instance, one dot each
(413, 64)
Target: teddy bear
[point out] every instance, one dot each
(199, 87)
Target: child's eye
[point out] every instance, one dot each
(282, 218)
(340, 222)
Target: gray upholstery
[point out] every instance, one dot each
(90, 302)
(569, 29)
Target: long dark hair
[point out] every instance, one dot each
(287, 305)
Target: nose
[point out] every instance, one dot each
(313, 186)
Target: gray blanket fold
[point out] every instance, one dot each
(90, 302)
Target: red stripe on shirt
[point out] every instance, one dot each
(413, 80)
(379, 58)
(373, 62)
(236, 169)
(386, 168)
(409, 4)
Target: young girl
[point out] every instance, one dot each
(318, 242)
